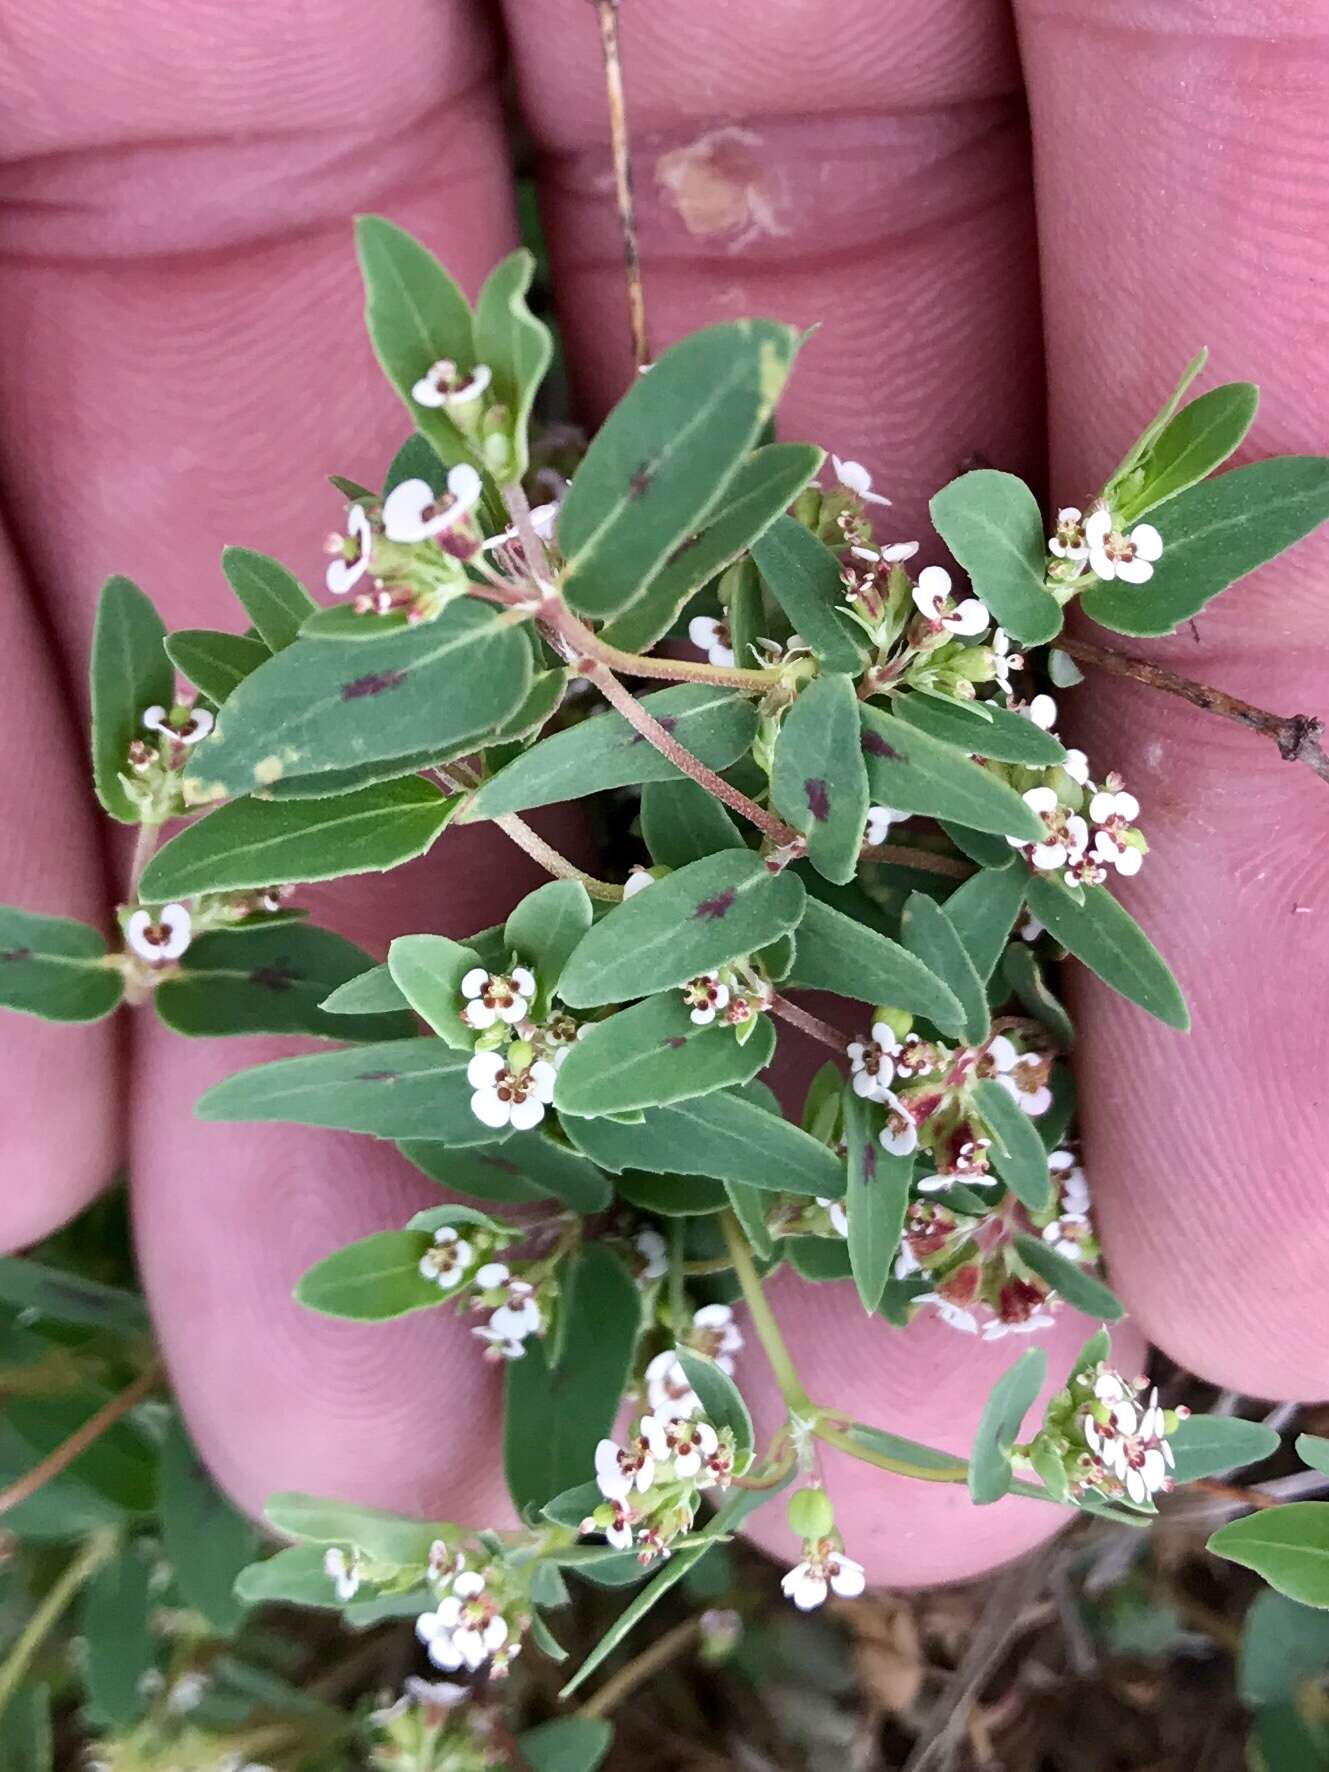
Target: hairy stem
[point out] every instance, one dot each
(145, 843)
(672, 670)
(627, 208)
(808, 1023)
(533, 549)
(642, 1668)
(79, 1441)
(927, 860)
(763, 1319)
(457, 779)
(1296, 735)
(47, 1615)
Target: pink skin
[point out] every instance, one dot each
(176, 263)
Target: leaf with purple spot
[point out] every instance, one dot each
(819, 782)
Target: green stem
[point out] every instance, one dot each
(85, 1565)
(677, 1269)
(843, 1442)
(763, 1319)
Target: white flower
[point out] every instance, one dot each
(872, 1062)
(1131, 1444)
(932, 598)
(189, 1691)
(1060, 1239)
(637, 881)
(1042, 710)
(162, 938)
(1021, 1074)
(716, 1334)
(835, 1210)
(1076, 765)
(499, 1347)
(1104, 808)
(1115, 813)
(519, 1317)
(462, 1633)
(493, 996)
(621, 1469)
(1069, 542)
(510, 1098)
(712, 637)
(691, 1445)
(1127, 557)
(618, 1533)
(854, 477)
(1004, 661)
(443, 384)
(493, 1273)
(667, 1389)
(448, 1260)
(343, 1572)
(879, 821)
(807, 1583)
(955, 1316)
(1068, 834)
(706, 997)
(198, 724)
(899, 1135)
(654, 1251)
(352, 561)
(1038, 1319)
(412, 512)
(544, 519)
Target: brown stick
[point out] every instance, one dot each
(79, 1441)
(1234, 1493)
(809, 1024)
(627, 207)
(907, 856)
(649, 1663)
(1296, 735)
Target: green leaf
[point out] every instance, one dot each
(372, 1280)
(274, 599)
(415, 315)
(721, 1403)
(545, 928)
(729, 1517)
(914, 772)
(716, 725)
(1018, 1154)
(370, 993)
(1158, 423)
(55, 968)
(256, 843)
(50, 1292)
(1314, 1451)
(543, 700)
(568, 1744)
(1213, 535)
(653, 1054)
(207, 1540)
(317, 709)
(1288, 1546)
(931, 937)
(115, 1476)
(765, 484)
(818, 1259)
(1012, 1397)
(1199, 439)
(803, 576)
(835, 953)
(682, 822)
(114, 1622)
(723, 1136)
(983, 912)
(992, 523)
(214, 663)
(515, 345)
(875, 1200)
(1283, 1646)
(1107, 939)
(926, 1460)
(750, 1207)
(1069, 1278)
(385, 1537)
(399, 1089)
(1001, 735)
(1208, 1445)
(293, 1577)
(555, 1415)
(672, 1196)
(26, 1737)
(534, 1165)
(696, 919)
(1022, 971)
(819, 782)
(129, 672)
(269, 979)
(428, 970)
(662, 460)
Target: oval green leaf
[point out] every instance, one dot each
(992, 524)
(914, 772)
(819, 782)
(55, 968)
(129, 672)
(1107, 939)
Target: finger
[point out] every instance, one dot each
(1207, 1152)
(212, 348)
(870, 179)
(59, 1128)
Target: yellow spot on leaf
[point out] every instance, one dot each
(269, 769)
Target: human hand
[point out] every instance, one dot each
(177, 267)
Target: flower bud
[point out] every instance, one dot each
(899, 1021)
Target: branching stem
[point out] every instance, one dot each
(642, 1668)
(47, 1614)
(83, 1437)
(809, 1024)
(763, 1319)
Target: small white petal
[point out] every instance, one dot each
(1102, 564)
(848, 1578)
(343, 575)
(1134, 572)
(483, 1070)
(1001, 1052)
(493, 1273)
(474, 981)
(704, 632)
(1098, 526)
(1043, 712)
(524, 979)
(1146, 541)
(526, 1114)
(1041, 800)
(490, 1109)
(970, 618)
(1077, 766)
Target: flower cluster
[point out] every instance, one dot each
(479, 1619)
(152, 778)
(1101, 1434)
(824, 1568)
(433, 1728)
(407, 554)
(653, 1482)
(460, 1262)
(734, 996)
(1097, 544)
(515, 1065)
